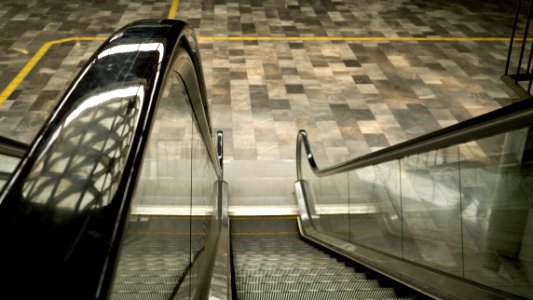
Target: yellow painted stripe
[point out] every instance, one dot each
(357, 39)
(173, 11)
(265, 233)
(12, 86)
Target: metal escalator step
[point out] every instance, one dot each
(147, 296)
(280, 253)
(284, 264)
(293, 272)
(255, 256)
(279, 267)
(300, 277)
(318, 295)
(301, 269)
(153, 271)
(144, 288)
(308, 286)
(144, 280)
(149, 267)
(152, 263)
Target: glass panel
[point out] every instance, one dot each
(330, 198)
(203, 200)
(156, 247)
(374, 207)
(496, 183)
(431, 210)
(466, 210)
(7, 166)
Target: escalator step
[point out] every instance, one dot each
(308, 286)
(330, 295)
(301, 277)
(334, 271)
(139, 296)
(283, 267)
(143, 288)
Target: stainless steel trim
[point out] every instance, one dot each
(220, 151)
(220, 284)
(515, 116)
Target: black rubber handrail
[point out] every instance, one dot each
(512, 117)
(55, 249)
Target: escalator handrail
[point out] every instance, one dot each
(512, 117)
(43, 236)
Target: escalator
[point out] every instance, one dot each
(122, 196)
(271, 261)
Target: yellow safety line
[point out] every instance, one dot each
(265, 233)
(358, 39)
(12, 86)
(173, 9)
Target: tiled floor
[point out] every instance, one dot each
(342, 70)
(352, 96)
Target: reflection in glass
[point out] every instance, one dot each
(330, 196)
(7, 166)
(374, 207)
(431, 210)
(203, 194)
(156, 247)
(466, 210)
(497, 187)
(82, 164)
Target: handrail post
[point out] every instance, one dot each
(519, 4)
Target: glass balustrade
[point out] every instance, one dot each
(465, 210)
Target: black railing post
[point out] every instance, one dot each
(524, 41)
(519, 3)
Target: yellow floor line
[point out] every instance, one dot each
(12, 86)
(173, 11)
(265, 233)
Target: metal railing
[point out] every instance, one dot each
(518, 72)
(506, 172)
(511, 117)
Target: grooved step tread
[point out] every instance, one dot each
(309, 285)
(316, 295)
(283, 267)
(301, 278)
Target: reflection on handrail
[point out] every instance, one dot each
(511, 117)
(64, 211)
